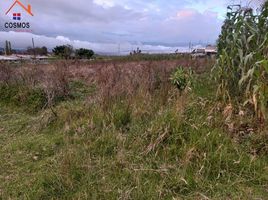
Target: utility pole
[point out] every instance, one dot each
(6, 48)
(119, 49)
(33, 47)
(9, 48)
(190, 47)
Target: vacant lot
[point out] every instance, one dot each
(121, 130)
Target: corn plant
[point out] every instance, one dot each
(181, 78)
(242, 64)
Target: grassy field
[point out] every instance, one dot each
(121, 130)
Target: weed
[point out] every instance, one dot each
(181, 79)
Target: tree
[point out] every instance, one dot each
(136, 52)
(64, 51)
(84, 53)
(43, 51)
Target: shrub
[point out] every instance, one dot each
(64, 51)
(181, 78)
(84, 53)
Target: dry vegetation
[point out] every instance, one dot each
(121, 130)
(112, 78)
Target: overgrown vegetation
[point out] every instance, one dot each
(122, 131)
(145, 57)
(139, 128)
(242, 66)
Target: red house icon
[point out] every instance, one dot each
(28, 9)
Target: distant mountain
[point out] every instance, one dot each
(179, 44)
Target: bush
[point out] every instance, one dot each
(84, 53)
(64, 51)
(181, 78)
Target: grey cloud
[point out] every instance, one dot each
(80, 10)
(83, 20)
(50, 42)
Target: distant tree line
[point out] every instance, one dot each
(68, 52)
(42, 51)
(63, 51)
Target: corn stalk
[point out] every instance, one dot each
(242, 64)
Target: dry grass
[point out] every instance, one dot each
(112, 78)
(121, 132)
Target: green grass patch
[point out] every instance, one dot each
(30, 99)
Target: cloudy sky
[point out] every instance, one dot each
(102, 25)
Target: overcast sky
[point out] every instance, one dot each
(103, 24)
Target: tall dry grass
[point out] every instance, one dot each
(113, 79)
